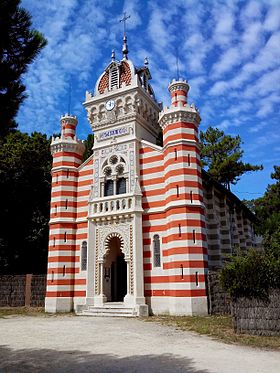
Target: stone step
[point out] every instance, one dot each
(115, 309)
(110, 310)
(100, 314)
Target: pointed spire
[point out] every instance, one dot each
(125, 47)
(113, 55)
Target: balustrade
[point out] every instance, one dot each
(114, 204)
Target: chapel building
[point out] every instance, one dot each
(135, 228)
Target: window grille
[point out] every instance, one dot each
(121, 185)
(156, 248)
(84, 256)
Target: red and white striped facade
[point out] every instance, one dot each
(166, 199)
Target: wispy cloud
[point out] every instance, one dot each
(228, 50)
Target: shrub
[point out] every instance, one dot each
(251, 274)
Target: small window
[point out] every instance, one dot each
(175, 154)
(65, 236)
(156, 249)
(189, 160)
(121, 185)
(84, 256)
(108, 188)
(114, 78)
(177, 188)
(180, 231)
(191, 196)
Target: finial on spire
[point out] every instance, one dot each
(146, 61)
(124, 48)
(113, 55)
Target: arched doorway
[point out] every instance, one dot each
(115, 272)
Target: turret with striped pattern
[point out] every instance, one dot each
(186, 243)
(67, 154)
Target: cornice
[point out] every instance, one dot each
(67, 145)
(179, 113)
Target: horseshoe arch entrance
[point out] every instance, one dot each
(115, 269)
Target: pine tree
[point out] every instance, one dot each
(19, 46)
(222, 156)
(25, 186)
(267, 210)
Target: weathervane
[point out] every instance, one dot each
(125, 48)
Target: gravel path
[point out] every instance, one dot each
(87, 344)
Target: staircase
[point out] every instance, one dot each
(109, 309)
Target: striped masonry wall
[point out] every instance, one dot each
(228, 228)
(67, 157)
(172, 209)
(83, 191)
(68, 126)
(179, 91)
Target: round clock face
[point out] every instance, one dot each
(110, 105)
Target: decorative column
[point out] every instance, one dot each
(128, 299)
(101, 298)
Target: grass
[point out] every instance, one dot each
(217, 327)
(29, 311)
(22, 311)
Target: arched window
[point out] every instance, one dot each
(156, 250)
(121, 185)
(108, 188)
(84, 256)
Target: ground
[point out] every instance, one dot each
(88, 344)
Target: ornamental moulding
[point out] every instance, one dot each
(179, 116)
(77, 147)
(106, 232)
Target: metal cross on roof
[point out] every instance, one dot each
(124, 19)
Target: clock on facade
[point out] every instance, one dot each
(110, 105)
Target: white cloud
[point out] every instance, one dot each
(228, 60)
(252, 11)
(70, 52)
(267, 83)
(272, 20)
(224, 18)
(258, 127)
(219, 88)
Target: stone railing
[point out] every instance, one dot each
(117, 204)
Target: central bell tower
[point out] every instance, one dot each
(122, 111)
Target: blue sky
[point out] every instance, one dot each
(228, 50)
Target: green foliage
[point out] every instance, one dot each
(25, 182)
(251, 274)
(268, 207)
(222, 155)
(19, 46)
(88, 144)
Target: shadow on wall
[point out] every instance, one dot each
(46, 360)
